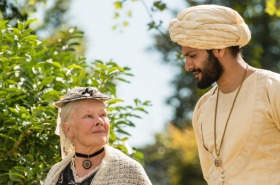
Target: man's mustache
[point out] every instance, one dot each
(196, 71)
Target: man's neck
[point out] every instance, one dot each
(233, 74)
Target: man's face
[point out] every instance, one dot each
(204, 65)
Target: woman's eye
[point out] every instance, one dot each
(89, 116)
(103, 115)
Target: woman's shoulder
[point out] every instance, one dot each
(117, 157)
(117, 166)
(56, 169)
(116, 153)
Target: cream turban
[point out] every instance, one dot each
(209, 27)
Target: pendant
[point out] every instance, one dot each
(217, 162)
(86, 164)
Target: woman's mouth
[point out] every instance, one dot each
(98, 131)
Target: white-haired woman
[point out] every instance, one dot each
(84, 132)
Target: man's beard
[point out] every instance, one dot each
(210, 73)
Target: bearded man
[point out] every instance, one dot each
(237, 122)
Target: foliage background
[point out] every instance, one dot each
(263, 51)
(34, 73)
(36, 70)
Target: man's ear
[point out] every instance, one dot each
(67, 129)
(219, 52)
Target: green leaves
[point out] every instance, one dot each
(122, 117)
(17, 174)
(7, 137)
(159, 5)
(33, 74)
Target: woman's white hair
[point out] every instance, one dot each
(65, 115)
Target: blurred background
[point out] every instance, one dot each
(134, 33)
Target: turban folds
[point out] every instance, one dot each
(209, 27)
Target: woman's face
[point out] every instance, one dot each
(89, 126)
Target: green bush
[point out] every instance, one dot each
(33, 74)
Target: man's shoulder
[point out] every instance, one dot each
(268, 73)
(268, 78)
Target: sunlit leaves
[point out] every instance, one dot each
(34, 74)
(273, 7)
(118, 4)
(122, 14)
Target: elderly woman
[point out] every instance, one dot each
(84, 133)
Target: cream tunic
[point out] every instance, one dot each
(250, 152)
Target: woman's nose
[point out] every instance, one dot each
(99, 121)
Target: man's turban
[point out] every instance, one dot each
(209, 27)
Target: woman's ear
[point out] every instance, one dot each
(67, 130)
(219, 52)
